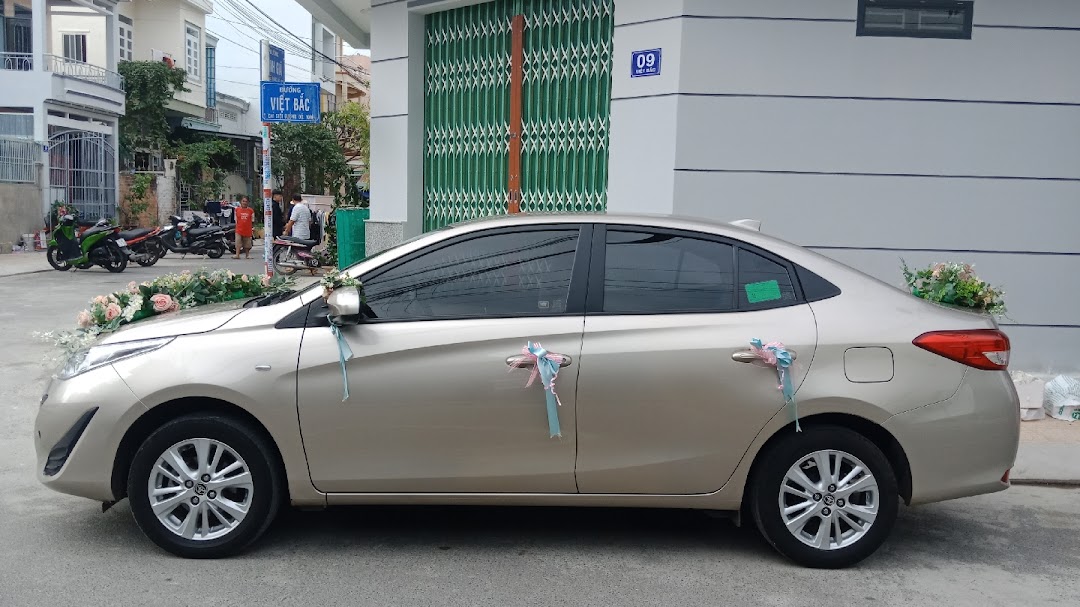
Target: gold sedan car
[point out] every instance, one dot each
(417, 394)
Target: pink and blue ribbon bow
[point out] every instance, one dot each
(344, 353)
(545, 365)
(775, 354)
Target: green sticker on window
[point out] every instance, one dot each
(757, 292)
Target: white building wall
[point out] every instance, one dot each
(74, 19)
(869, 149)
(160, 25)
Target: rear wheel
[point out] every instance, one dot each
(117, 262)
(149, 256)
(53, 254)
(204, 486)
(215, 250)
(281, 256)
(825, 498)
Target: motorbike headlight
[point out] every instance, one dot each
(98, 356)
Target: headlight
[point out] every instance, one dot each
(97, 356)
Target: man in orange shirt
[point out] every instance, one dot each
(245, 218)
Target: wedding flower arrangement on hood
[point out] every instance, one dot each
(163, 295)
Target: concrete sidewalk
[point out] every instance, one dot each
(30, 262)
(1049, 448)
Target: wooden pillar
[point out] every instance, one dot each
(517, 34)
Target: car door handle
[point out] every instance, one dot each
(746, 356)
(520, 360)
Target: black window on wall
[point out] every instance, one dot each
(915, 18)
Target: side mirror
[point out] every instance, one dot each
(345, 306)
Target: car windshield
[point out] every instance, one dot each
(269, 300)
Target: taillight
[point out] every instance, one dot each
(980, 348)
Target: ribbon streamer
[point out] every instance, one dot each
(545, 365)
(775, 354)
(344, 353)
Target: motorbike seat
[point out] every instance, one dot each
(306, 243)
(135, 234)
(202, 231)
(95, 230)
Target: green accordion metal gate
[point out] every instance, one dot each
(564, 107)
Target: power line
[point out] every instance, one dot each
(249, 49)
(346, 68)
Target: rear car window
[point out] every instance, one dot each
(763, 282)
(646, 272)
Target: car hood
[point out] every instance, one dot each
(200, 319)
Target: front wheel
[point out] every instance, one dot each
(825, 498)
(204, 486)
(53, 254)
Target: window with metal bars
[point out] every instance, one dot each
(193, 42)
(75, 47)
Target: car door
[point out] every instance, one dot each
(663, 405)
(433, 405)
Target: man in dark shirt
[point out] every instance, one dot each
(278, 217)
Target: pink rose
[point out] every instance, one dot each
(266, 280)
(175, 306)
(133, 287)
(85, 319)
(162, 302)
(112, 312)
(100, 300)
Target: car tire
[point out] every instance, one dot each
(256, 496)
(837, 519)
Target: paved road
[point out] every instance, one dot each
(1020, 547)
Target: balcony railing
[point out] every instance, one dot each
(84, 71)
(19, 62)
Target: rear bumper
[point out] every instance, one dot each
(964, 445)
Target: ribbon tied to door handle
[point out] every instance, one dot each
(545, 365)
(776, 355)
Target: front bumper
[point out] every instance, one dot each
(78, 430)
(964, 445)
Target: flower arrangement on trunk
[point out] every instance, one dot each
(165, 294)
(955, 284)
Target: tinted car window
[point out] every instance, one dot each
(763, 282)
(656, 273)
(506, 274)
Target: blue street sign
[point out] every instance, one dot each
(645, 63)
(277, 64)
(290, 102)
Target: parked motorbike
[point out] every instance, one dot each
(98, 245)
(292, 254)
(146, 248)
(196, 237)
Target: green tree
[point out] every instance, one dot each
(204, 163)
(352, 127)
(149, 85)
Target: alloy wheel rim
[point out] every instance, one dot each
(829, 499)
(200, 489)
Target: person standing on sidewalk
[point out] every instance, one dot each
(278, 215)
(245, 228)
(299, 225)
